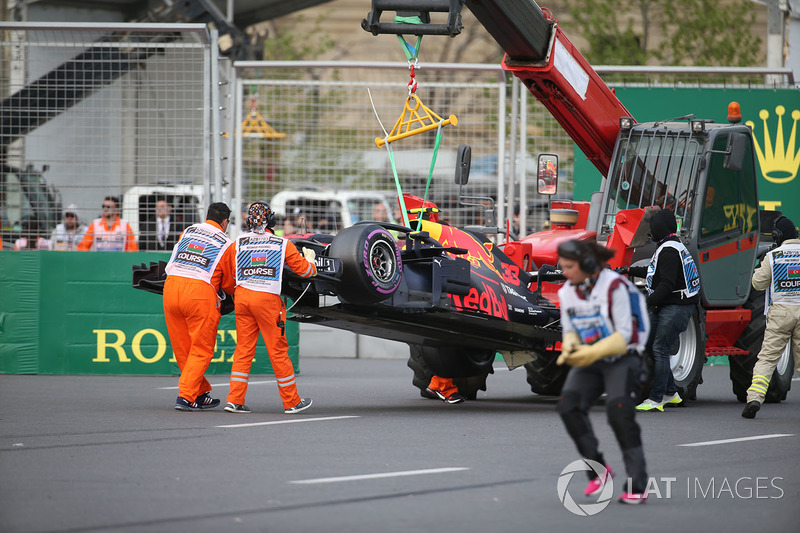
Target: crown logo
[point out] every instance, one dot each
(779, 164)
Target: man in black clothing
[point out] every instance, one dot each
(163, 232)
(673, 288)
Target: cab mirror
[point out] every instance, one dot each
(463, 161)
(547, 174)
(734, 153)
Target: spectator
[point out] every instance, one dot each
(303, 223)
(69, 233)
(162, 232)
(31, 238)
(287, 228)
(197, 270)
(258, 260)
(109, 233)
(778, 274)
(380, 213)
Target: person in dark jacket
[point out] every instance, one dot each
(673, 288)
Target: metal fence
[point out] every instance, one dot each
(96, 110)
(145, 112)
(314, 125)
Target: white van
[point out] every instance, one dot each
(139, 205)
(328, 211)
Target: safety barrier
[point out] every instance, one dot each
(76, 313)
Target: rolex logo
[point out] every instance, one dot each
(779, 161)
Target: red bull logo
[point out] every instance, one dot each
(486, 301)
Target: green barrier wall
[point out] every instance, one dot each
(76, 313)
(778, 184)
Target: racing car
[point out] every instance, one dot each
(454, 296)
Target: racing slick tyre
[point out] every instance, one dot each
(468, 370)
(371, 265)
(545, 376)
(741, 366)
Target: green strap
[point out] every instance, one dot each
(411, 52)
(430, 172)
(397, 185)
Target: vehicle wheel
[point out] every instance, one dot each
(468, 386)
(741, 366)
(422, 374)
(687, 361)
(371, 266)
(545, 376)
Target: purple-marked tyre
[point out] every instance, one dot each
(371, 265)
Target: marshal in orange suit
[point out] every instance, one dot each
(198, 268)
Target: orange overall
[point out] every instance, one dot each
(257, 310)
(443, 385)
(191, 310)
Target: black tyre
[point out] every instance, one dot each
(741, 366)
(422, 374)
(468, 369)
(371, 266)
(544, 375)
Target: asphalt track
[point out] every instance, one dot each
(98, 453)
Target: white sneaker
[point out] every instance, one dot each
(649, 405)
(671, 400)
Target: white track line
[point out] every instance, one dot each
(378, 476)
(292, 421)
(226, 384)
(741, 439)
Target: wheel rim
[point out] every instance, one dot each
(783, 362)
(682, 362)
(381, 262)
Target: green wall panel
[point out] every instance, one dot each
(76, 313)
(777, 189)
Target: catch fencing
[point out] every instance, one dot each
(312, 124)
(95, 110)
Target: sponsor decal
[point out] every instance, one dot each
(486, 301)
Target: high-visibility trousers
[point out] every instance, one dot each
(783, 326)
(192, 315)
(443, 385)
(256, 312)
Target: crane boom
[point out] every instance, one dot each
(556, 73)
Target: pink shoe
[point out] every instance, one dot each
(597, 484)
(633, 498)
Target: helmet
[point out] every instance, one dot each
(259, 216)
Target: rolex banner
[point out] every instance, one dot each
(773, 114)
(76, 313)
